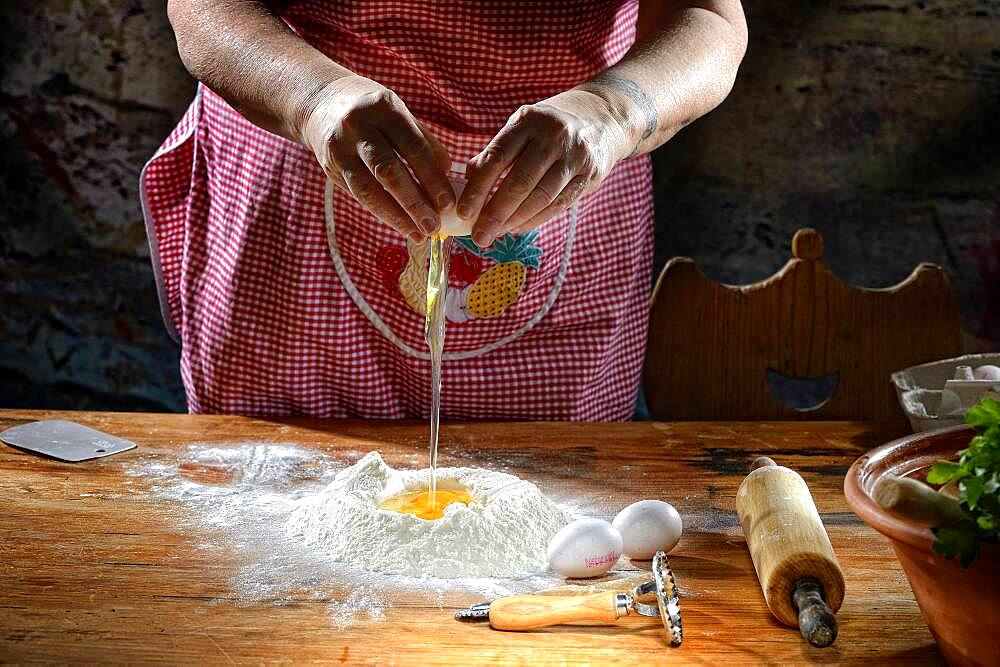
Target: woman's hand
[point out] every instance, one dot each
(361, 132)
(556, 151)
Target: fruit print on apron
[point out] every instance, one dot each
(483, 283)
(495, 294)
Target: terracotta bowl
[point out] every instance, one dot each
(961, 607)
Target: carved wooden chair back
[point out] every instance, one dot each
(826, 349)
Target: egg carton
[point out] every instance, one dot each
(937, 394)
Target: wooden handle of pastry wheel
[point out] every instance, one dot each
(789, 546)
(527, 612)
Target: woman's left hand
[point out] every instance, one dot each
(556, 151)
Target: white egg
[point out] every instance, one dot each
(987, 372)
(648, 526)
(452, 225)
(585, 548)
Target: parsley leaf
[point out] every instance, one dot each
(944, 471)
(959, 542)
(978, 468)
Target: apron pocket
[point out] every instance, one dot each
(495, 295)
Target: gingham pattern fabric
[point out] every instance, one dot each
(270, 279)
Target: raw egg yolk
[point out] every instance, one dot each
(418, 503)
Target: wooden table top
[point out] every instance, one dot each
(96, 565)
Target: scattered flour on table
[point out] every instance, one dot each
(504, 531)
(238, 501)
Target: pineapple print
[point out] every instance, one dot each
(490, 294)
(498, 288)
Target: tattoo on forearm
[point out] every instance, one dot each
(634, 92)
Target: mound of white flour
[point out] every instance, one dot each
(503, 532)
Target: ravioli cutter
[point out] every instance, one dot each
(529, 612)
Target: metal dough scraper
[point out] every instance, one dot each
(64, 440)
(528, 612)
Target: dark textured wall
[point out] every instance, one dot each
(87, 92)
(874, 122)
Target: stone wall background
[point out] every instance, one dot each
(876, 123)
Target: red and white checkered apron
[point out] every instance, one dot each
(284, 293)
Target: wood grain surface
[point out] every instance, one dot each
(93, 569)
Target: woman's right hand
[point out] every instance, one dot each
(360, 131)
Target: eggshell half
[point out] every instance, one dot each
(987, 372)
(648, 526)
(452, 225)
(585, 548)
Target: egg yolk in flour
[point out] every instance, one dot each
(418, 503)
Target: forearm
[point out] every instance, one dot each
(246, 54)
(682, 66)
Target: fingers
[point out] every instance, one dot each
(484, 169)
(440, 152)
(573, 191)
(378, 155)
(370, 145)
(517, 185)
(358, 181)
(554, 182)
(424, 158)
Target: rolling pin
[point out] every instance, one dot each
(802, 583)
(916, 503)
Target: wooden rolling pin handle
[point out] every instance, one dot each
(914, 502)
(817, 622)
(762, 462)
(527, 612)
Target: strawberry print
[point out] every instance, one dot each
(464, 268)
